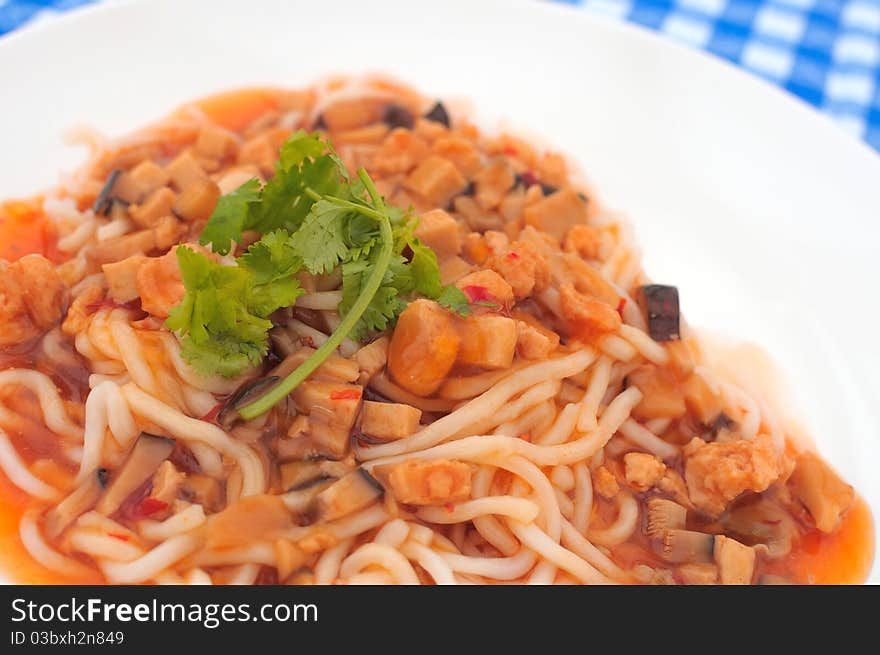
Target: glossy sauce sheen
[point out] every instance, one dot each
(844, 557)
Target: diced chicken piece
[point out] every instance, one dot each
(453, 269)
(33, 298)
(460, 152)
(511, 207)
(184, 170)
(235, 177)
(661, 393)
(332, 409)
(523, 267)
(154, 207)
(135, 185)
(475, 217)
(557, 213)
(585, 314)
(605, 483)
(486, 286)
(736, 561)
(352, 113)
(262, 517)
(371, 134)
(535, 341)
(642, 470)
(197, 201)
(216, 142)
(497, 242)
(820, 489)
(474, 248)
(371, 359)
(716, 473)
(673, 485)
(433, 482)
(81, 309)
(584, 240)
(423, 348)
(439, 231)
(168, 232)
(436, 180)
(698, 574)
(160, 285)
(552, 169)
(492, 183)
(701, 400)
(487, 341)
(122, 278)
(118, 248)
(389, 421)
(259, 152)
(400, 152)
(430, 130)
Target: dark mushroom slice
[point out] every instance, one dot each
(247, 392)
(765, 525)
(438, 114)
(397, 116)
(661, 309)
(104, 200)
(296, 474)
(353, 492)
(148, 453)
(80, 501)
(301, 500)
(683, 546)
(664, 514)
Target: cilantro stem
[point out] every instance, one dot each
(267, 401)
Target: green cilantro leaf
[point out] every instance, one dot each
(230, 217)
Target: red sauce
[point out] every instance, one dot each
(25, 230)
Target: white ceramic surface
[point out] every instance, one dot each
(764, 214)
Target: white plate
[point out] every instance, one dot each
(763, 213)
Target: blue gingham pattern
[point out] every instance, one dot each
(826, 52)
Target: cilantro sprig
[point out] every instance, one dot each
(312, 217)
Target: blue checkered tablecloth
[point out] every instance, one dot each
(826, 52)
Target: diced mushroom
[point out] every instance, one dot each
(763, 524)
(80, 501)
(432, 482)
(246, 393)
(122, 278)
(436, 180)
(301, 500)
(104, 200)
(557, 213)
(664, 515)
(155, 206)
(148, 452)
(332, 410)
(203, 490)
(661, 308)
(197, 201)
(736, 561)
(389, 421)
(698, 574)
(371, 359)
(303, 473)
(439, 231)
(682, 546)
(353, 492)
(423, 348)
(487, 341)
(438, 114)
(825, 495)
